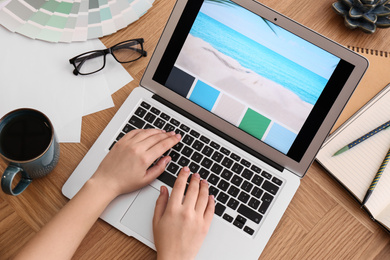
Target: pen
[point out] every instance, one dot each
(376, 178)
(363, 138)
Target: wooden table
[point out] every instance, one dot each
(322, 222)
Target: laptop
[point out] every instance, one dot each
(254, 95)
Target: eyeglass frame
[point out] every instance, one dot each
(104, 52)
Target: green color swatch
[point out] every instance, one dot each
(254, 123)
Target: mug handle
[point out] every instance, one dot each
(9, 175)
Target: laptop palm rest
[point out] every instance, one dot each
(139, 216)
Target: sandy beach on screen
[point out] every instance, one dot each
(263, 95)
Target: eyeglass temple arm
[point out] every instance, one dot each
(128, 46)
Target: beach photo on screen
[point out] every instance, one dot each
(265, 67)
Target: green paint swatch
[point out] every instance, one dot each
(254, 123)
(64, 8)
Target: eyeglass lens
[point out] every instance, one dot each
(90, 62)
(127, 51)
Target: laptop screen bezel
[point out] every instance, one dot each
(300, 166)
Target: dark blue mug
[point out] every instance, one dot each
(30, 147)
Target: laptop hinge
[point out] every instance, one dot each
(219, 133)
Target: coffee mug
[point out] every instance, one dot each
(30, 147)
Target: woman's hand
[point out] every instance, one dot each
(125, 168)
(180, 223)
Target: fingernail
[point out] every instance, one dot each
(196, 175)
(178, 136)
(186, 169)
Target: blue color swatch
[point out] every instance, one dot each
(280, 138)
(204, 95)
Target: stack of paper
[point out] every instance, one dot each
(70, 20)
(38, 75)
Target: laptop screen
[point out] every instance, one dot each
(252, 73)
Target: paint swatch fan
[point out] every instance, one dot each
(70, 20)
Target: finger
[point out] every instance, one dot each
(209, 212)
(140, 135)
(177, 193)
(192, 191)
(161, 204)
(155, 171)
(203, 197)
(159, 144)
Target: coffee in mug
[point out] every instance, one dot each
(29, 145)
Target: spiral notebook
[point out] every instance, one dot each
(367, 109)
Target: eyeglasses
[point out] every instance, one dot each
(94, 61)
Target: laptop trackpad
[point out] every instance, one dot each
(139, 216)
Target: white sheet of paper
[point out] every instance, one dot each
(35, 74)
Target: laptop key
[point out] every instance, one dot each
(254, 203)
(237, 180)
(271, 188)
(184, 128)
(226, 174)
(204, 173)
(243, 197)
(219, 209)
(215, 145)
(198, 145)
(239, 221)
(228, 218)
(249, 230)
(207, 150)
(232, 203)
(128, 128)
(159, 123)
(165, 116)
(140, 112)
(204, 139)
(167, 178)
(137, 122)
(175, 122)
(197, 157)
(217, 156)
(233, 191)
(183, 161)
(213, 179)
(155, 111)
(173, 168)
(249, 213)
(237, 168)
(277, 181)
(227, 162)
(150, 117)
(213, 191)
(206, 163)
(223, 185)
(216, 168)
(188, 140)
(222, 197)
(194, 167)
(178, 146)
(256, 192)
(174, 156)
(168, 127)
(145, 105)
(187, 151)
(194, 133)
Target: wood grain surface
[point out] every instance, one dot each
(322, 222)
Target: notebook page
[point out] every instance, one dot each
(357, 167)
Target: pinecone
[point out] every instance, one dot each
(364, 14)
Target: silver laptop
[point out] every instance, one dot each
(254, 95)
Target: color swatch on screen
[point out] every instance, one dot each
(204, 95)
(70, 20)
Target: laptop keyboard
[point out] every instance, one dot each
(243, 191)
